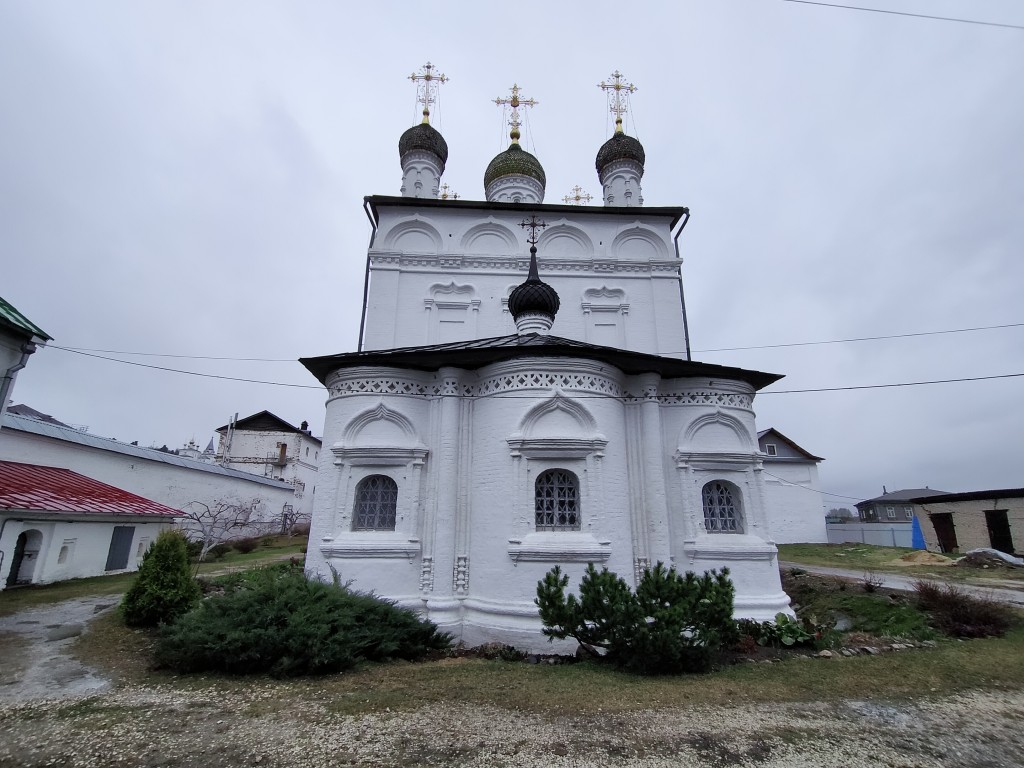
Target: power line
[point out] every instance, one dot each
(904, 13)
(900, 384)
(717, 349)
(182, 357)
(178, 370)
(865, 338)
(526, 397)
(808, 488)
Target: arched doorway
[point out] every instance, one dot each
(26, 554)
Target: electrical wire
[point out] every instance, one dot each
(905, 13)
(808, 488)
(187, 373)
(529, 397)
(864, 338)
(719, 349)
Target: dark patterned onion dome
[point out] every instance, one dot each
(620, 147)
(534, 295)
(514, 161)
(426, 138)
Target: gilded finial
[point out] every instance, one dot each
(446, 194)
(577, 196)
(618, 94)
(427, 81)
(515, 102)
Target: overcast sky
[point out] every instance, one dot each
(186, 178)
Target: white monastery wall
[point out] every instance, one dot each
(798, 515)
(169, 484)
(256, 452)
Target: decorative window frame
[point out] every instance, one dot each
(354, 462)
(532, 455)
(604, 301)
(770, 449)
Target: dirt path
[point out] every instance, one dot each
(35, 647)
(906, 583)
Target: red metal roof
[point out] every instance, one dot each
(54, 489)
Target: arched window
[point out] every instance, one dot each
(558, 501)
(376, 502)
(722, 510)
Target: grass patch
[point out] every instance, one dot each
(23, 598)
(868, 557)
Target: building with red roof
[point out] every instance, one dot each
(57, 524)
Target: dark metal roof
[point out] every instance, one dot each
(424, 136)
(533, 295)
(12, 318)
(772, 430)
(907, 494)
(478, 353)
(1001, 493)
(265, 421)
(32, 413)
(619, 147)
(671, 212)
(31, 487)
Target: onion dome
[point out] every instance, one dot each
(426, 138)
(620, 147)
(514, 161)
(533, 297)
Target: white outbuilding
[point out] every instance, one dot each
(56, 524)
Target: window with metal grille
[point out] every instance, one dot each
(376, 503)
(722, 511)
(558, 501)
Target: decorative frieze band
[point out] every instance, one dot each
(518, 264)
(575, 382)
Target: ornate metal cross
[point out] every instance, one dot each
(577, 196)
(533, 225)
(427, 80)
(618, 94)
(515, 102)
(447, 194)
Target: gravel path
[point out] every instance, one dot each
(160, 726)
(55, 712)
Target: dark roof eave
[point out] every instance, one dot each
(673, 212)
(999, 493)
(503, 348)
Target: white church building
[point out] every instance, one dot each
(524, 397)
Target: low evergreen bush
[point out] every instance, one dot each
(164, 588)
(672, 623)
(275, 620)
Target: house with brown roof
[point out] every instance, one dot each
(56, 524)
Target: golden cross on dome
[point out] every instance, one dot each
(427, 80)
(515, 102)
(447, 194)
(577, 196)
(618, 93)
(533, 225)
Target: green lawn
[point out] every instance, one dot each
(14, 600)
(868, 557)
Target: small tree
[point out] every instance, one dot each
(672, 623)
(164, 588)
(214, 523)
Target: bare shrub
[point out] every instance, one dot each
(958, 614)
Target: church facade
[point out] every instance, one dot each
(491, 427)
